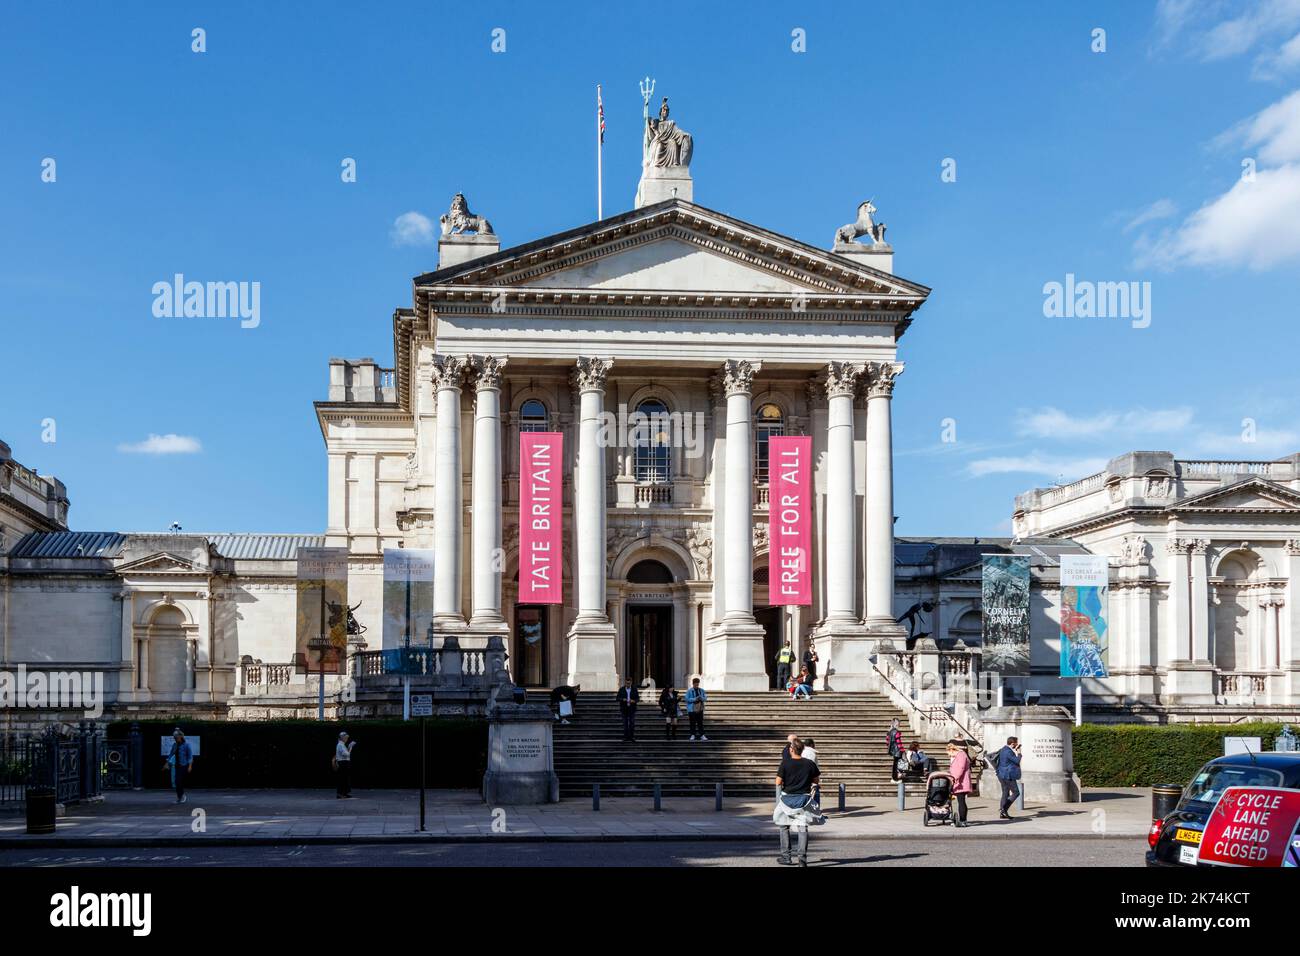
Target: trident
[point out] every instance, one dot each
(647, 90)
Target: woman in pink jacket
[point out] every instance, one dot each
(959, 768)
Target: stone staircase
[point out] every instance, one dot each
(746, 732)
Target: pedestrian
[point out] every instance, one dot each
(696, 698)
(1007, 764)
(784, 658)
(180, 761)
(343, 766)
(559, 696)
(627, 701)
(894, 744)
(803, 686)
(917, 758)
(670, 705)
(810, 749)
(959, 768)
(797, 785)
(810, 660)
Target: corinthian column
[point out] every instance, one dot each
(486, 505)
(591, 658)
(733, 656)
(841, 385)
(880, 497)
(448, 516)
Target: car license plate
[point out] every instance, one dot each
(1188, 854)
(1187, 836)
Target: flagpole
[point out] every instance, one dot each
(600, 185)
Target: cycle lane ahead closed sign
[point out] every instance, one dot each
(1252, 826)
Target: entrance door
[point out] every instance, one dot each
(529, 660)
(770, 618)
(649, 648)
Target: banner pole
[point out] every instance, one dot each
(1078, 702)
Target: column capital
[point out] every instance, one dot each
(447, 371)
(487, 371)
(1177, 546)
(717, 393)
(881, 377)
(590, 374)
(738, 376)
(1199, 545)
(816, 389)
(842, 378)
(1293, 547)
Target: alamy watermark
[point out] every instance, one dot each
(1085, 299)
(208, 300)
(625, 429)
(22, 689)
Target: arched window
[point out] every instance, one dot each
(652, 437)
(649, 572)
(767, 423)
(533, 417)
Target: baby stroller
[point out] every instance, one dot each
(938, 799)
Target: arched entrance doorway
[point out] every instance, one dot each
(648, 627)
(772, 619)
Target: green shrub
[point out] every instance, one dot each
(1138, 755)
(290, 754)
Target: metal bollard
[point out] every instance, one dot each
(717, 796)
(595, 796)
(902, 796)
(1020, 804)
(842, 792)
(659, 793)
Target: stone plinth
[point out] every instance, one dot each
(520, 764)
(734, 659)
(453, 250)
(1046, 747)
(879, 256)
(664, 182)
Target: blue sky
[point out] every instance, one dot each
(1122, 165)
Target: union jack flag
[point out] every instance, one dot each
(600, 115)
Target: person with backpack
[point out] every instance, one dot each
(784, 658)
(696, 698)
(797, 788)
(894, 744)
(670, 706)
(1006, 762)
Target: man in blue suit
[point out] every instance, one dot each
(627, 701)
(1008, 761)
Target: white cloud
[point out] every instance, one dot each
(163, 445)
(1220, 29)
(1160, 209)
(1253, 224)
(1051, 422)
(1273, 66)
(412, 229)
(1066, 469)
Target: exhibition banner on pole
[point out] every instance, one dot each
(1006, 614)
(1085, 589)
(322, 618)
(541, 506)
(789, 510)
(408, 598)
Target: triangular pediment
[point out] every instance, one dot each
(1248, 495)
(674, 247)
(163, 562)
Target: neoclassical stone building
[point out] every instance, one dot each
(1205, 579)
(733, 333)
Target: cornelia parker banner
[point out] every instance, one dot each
(1085, 587)
(322, 610)
(1006, 614)
(789, 512)
(541, 489)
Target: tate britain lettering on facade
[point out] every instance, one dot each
(654, 447)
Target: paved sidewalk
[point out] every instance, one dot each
(152, 818)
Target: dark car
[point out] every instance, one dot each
(1176, 840)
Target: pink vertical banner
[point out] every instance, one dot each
(541, 504)
(789, 503)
